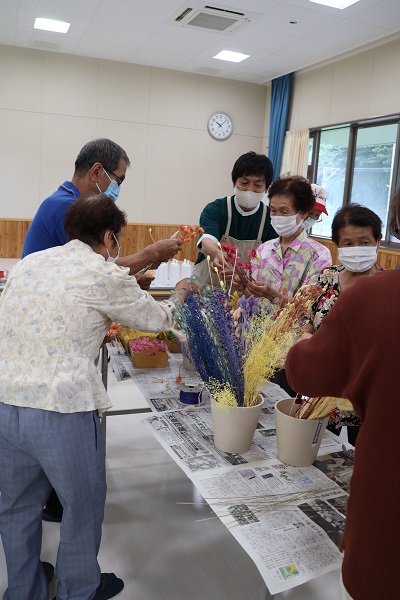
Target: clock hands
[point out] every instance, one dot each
(224, 124)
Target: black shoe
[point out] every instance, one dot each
(52, 518)
(48, 570)
(110, 586)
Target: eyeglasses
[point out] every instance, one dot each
(120, 180)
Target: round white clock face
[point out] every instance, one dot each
(220, 126)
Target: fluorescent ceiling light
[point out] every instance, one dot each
(51, 25)
(231, 56)
(335, 3)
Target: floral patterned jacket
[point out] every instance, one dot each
(300, 265)
(329, 280)
(55, 311)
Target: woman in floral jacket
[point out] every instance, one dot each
(55, 310)
(357, 232)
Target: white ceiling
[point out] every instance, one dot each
(143, 32)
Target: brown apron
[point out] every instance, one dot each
(201, 272)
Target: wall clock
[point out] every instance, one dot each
(220, 126)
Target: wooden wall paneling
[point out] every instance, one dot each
(388, 259)
(12, 235)
(137, 236)
(331, 246)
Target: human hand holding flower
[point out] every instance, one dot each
(239, 268)
(304, 336)
(183, 288)
(225, 271)
(260, 290)
(145, 281)
(237, 284)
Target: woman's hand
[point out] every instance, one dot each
(183, 288)
(304, 336)
(145, 281)
(237, 284)
(261, 290)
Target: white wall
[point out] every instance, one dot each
(358, 87)
(52, 104)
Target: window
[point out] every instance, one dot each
(356, 162)
(373, 168)
(331, 173)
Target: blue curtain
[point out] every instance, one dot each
(280, 102)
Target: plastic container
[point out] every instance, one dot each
(174, 272)
(161, 276)
(186, 269)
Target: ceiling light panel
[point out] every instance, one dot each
(51, 25)
(229, 56)
(335, 3)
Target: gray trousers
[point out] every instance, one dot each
(38, 450)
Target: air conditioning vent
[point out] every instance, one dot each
(207, 71)
(210, 18)
(184, 14)
(206, 20)
(44, 45)
(225, 10)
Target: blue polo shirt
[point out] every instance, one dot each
(47, 227)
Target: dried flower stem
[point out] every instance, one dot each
(233, 274)
(209, 270)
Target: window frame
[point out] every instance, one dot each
(354, 127)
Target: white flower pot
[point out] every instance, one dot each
(298, 440)
(234, 427)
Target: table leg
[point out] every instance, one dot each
(264, 592)
(104, 365)
(104, 429)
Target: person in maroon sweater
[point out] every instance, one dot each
(358, 345)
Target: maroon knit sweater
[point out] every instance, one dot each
(355, 354)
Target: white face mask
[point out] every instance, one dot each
(358, 259)
(285, 226)
(309, 223)
(247, 199)
(110, 258)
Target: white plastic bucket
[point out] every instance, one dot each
(298, 440)
(234, 427)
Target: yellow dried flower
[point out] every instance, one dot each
(269, 339)
(234, 300)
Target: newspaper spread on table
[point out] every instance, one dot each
(288, 519)
(158, 386)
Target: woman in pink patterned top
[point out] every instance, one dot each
(281, 266)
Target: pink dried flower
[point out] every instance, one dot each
(242, 269)
(145, 344)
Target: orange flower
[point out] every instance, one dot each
(187, 232)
